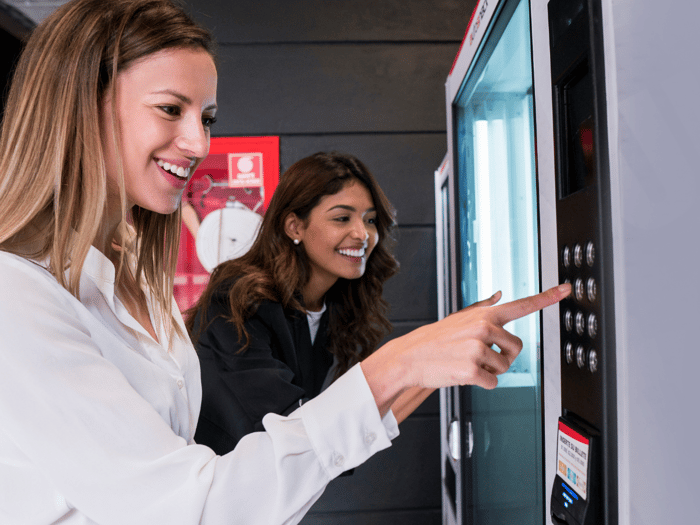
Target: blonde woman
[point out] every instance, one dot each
(108, 115)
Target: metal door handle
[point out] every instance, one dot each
(454, 441)
(470, 439)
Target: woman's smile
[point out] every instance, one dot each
(177, 173)
(353, 253)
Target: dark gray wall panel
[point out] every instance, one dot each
(403, 327)
(16, 24)
(293, 89)
(412, 293)
(357, 20)
(403, 164)
(389, 480)
(394, 517)
(431, 406)
(11, 47)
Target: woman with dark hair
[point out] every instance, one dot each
(277, 325)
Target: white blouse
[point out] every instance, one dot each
(97, 420)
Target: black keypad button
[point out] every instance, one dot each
(592, 360)
(569, 352)
(578, 289)
(590, 254)
(580, 323)
(566, 256)
(578, 255)
(591, 289)
(568, 321)
(592, 326)
(580, 356)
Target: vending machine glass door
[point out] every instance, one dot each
(498, 243)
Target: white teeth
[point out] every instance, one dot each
(353, 253)
(178, 171)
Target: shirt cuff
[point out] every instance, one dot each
(391, 425)
(343, 423)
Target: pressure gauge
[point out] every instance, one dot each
(226, 233)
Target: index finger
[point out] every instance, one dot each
(507, 312)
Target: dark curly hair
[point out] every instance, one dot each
(277, 270)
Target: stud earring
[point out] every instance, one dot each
(296, 241)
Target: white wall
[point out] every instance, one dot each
(656, 46)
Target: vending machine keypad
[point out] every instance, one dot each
(578, 320)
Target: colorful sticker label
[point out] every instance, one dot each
(572, 460)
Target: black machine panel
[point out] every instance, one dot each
(584, 490)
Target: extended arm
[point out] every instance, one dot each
(412, 398)
(453, 351)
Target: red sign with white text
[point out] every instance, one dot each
(245, 170)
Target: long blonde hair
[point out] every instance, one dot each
(53, 183)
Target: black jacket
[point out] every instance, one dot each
(279, 369)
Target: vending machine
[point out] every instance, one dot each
(570, 158)
(487, 215)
